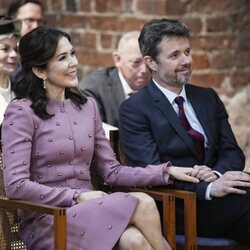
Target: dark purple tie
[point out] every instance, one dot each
(197, 138)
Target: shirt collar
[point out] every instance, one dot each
(170, 95)
(126, 88)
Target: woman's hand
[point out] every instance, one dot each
(90, 195)
(182, 174)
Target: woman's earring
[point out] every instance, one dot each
(44, 83)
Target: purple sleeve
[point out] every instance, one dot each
(113, 173)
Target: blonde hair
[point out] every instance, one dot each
(9, 35)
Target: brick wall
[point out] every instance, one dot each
(220, 33)
(220, 36)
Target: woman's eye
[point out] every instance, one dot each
(61, 58)
(5, 49)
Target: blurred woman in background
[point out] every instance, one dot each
(9, 36)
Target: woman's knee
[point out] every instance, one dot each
(132, 238)
(146, 202)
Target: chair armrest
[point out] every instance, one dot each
(60, 225)
(190, 227)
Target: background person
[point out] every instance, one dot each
(52, 134)
(155, 128)
(30, 12)
(111, 86)
(9, 36)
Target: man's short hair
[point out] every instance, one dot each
(17, 4)
(125, 38)
(155, 30)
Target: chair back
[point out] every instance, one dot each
(9, 223)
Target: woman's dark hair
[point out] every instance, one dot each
(36, 49)
(155, 30)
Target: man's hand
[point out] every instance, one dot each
(230, 183)
(204, 173)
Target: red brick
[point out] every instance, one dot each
(242, 21)
(243, 58)
(194, 24)
(51, 20)
(103, 23)
(215, 6)
(56, 5)
(127, 6)
(244, 43)
(106, 41)
(129, 24)
(109, 6)
(240, 78)
(222, 60)
(93, 58)
(158, 7)
(200, 62)
(174, 7)
(214, 42)
(83, 40)
(75, 39)
(44, 3)
(218, 24)
(213, 79)
(73, 21)
(85, 5)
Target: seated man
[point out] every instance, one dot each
(173, 120)
(111, 86)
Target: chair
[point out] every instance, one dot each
(188, 241)
(9, 222)
(167, 197)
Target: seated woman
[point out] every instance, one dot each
(51, 136)
(9, 36)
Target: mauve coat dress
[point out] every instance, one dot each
(48, 161)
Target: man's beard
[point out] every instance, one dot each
(174, 80)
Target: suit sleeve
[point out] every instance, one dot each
(229, 155)
(136, 139)
(17, 137)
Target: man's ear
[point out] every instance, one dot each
(116, 59)
(151, 63)
(39, 73)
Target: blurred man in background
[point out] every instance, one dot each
(111, 86)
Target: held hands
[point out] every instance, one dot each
(204, 173)
(230, 182)
(182, 174)
(90, 195)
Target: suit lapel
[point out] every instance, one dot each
(200, 110)
(162, 103)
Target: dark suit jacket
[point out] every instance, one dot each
(151, 133)
(106, 88)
